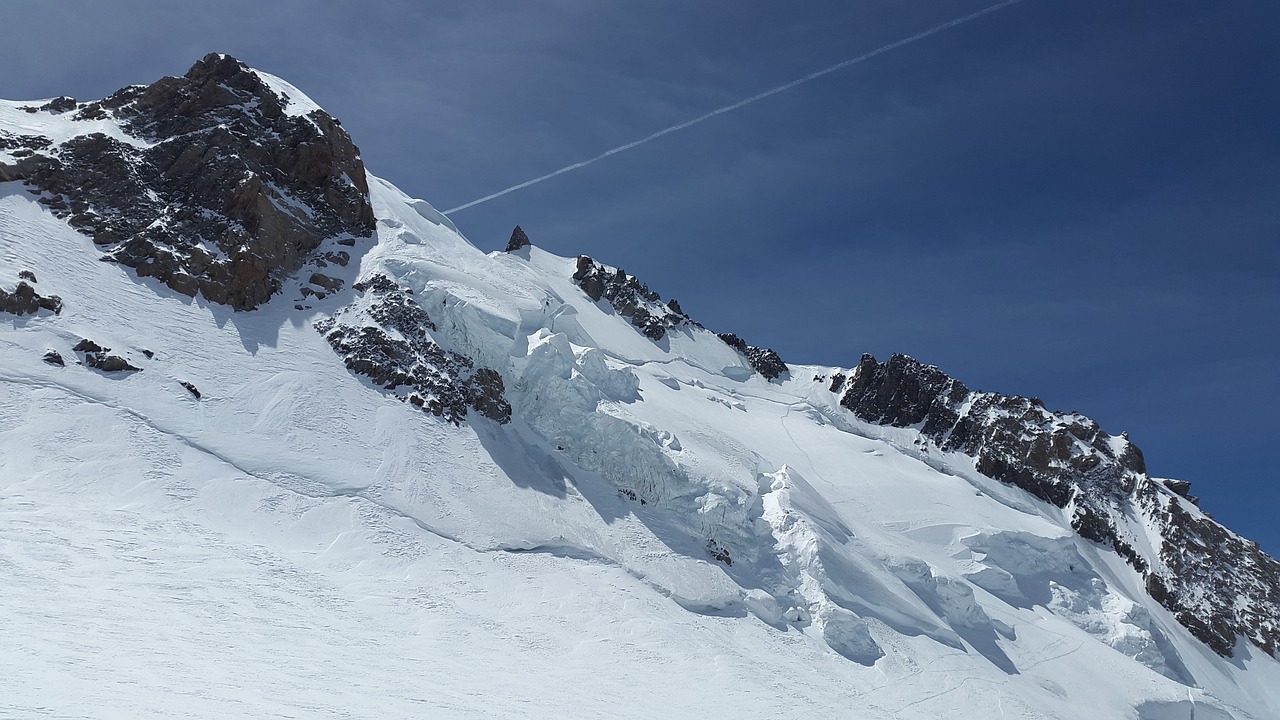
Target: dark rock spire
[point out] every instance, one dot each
(518, 240)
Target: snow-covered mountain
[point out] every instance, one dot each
(276, 439)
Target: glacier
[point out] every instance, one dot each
(653, 527)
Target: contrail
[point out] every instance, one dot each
(740, 103)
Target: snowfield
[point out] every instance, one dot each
(658, 532)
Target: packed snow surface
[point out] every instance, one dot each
(658, 532)
(296, 102)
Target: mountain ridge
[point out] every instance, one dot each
(561, 353)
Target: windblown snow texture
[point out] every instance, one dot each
(301, 448)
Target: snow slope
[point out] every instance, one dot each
(659, 530)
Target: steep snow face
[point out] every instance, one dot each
(454, 483)
(717, 459)
(295, 103)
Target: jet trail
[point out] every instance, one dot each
(740, 103)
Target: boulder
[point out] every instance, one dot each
(24, 300)
(329, 284)
(97, 357)
(62, 104)
(109, 363)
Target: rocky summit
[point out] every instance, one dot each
(215, 184)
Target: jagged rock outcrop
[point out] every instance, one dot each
(518, 240)
(1219, 586)
(224, 193)
(24, 300)
(321, 285)
(763, 360)
(630, 298)
(19, 146)
(645, 310)
(99, 358)
(59, 105)
(1181, 487)
(385, 336)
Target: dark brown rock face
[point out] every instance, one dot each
(630, 298)
(486, 394)
(645, 310)
(385, 337)
(1220, 586)
(225, 194)
(763, 360)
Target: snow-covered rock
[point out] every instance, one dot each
(423, 479)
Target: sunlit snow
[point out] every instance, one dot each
(299, 543)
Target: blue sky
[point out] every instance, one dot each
(1077, 201)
